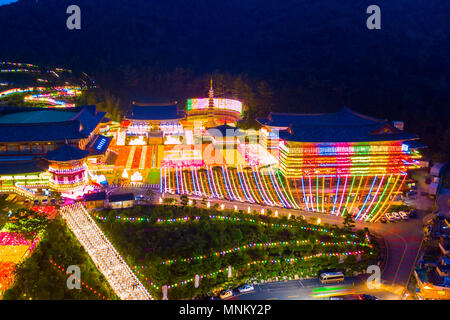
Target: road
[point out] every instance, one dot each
(443, 202)
(312, 289)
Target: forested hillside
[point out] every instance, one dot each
(291, 55)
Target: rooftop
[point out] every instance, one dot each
(99, 145)
(95, 196)
(39, 116)
(343, 126)
(225, 131)
(22, 167)
(38, 124)
(344, 117)
(66, 153)
(121, 197)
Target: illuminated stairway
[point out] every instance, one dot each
(108, 261)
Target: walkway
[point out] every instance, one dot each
(116, 271)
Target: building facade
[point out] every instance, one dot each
(36, 146)
(335, 163)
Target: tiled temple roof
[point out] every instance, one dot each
(342, 126)
(37, 124)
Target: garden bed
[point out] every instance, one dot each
(169, 245)
(43, 274)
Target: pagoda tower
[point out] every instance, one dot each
(67, 164)
(211, 123)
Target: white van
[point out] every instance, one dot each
(403, 215)
(331, 277)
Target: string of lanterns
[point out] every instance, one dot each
(251, 263)
(224, 218)
(18, 70)
(262, 245)
(61, 268)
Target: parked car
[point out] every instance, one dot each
(412, 193)
(383, 220)
(246, 288)
(396, 216)
(53, 201)
(367, 297)
(225, 294)
(36, 202)
(389, 217)
(44, 201)
(403, 215)
(139, 197)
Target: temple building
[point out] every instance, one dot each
(151, 123)
(204, 113)
(334, 163)
(33, 145)
(342, 161)
(67, 165)
(225, 135)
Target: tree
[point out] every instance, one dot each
(184, 200)
(349, 222)
(104, 100)
(150, 194)
(265, 104)
(5, 206)
(169, 201)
